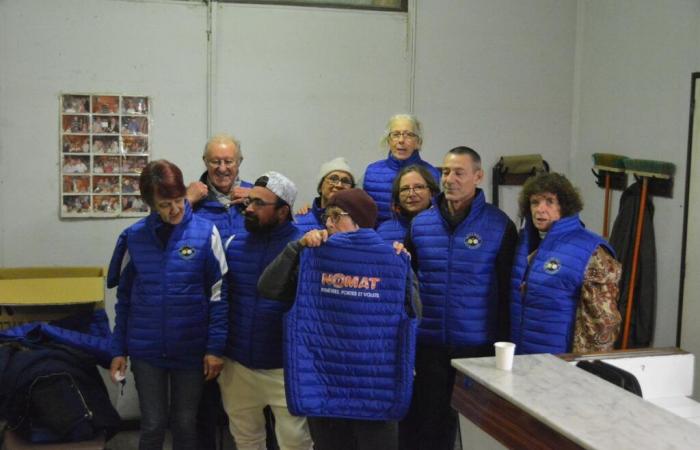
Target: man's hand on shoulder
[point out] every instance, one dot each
(239, 194)
(196, 191)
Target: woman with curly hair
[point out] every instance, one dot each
(565, 278)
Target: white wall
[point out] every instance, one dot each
(87, 46)
(634, 65)
(300, 86)
(496, 75)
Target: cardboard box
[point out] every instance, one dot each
(48, 293)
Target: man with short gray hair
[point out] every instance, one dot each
(219, 192)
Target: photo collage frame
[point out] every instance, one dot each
(104, 146)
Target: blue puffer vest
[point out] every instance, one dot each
(312, 219)
(171, 304)
(380, 175)
(543, 311)
(227, 219)
(457, 274)
(349, 343)
(255, 322)
(394, 230)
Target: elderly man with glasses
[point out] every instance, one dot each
(334, 176)
(350, 334)
(218, 194)
(253, 377)
(404, 138)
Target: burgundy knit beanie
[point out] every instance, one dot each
(358, 204)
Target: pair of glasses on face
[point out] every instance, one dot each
(335, 216)
(228, 163)
(256, 202)
(335, 180)
(396, 135)
(417, 189)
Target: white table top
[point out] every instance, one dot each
(586, 409)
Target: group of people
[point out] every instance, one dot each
(342, 319)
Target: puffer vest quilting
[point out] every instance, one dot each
(349, 343)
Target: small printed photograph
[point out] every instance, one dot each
(130, 185)
(106, 203)
(76, 184)
(134, 164)
(105, 185)
(75, 124)
(133, 204)
(105, 104)
(105, 124)
(75, 144)
(134, 144)
(77, 104)
(105, 164)
(76, 204)
(134, 105)
(75, 164)
(135, 125)
(105, 144)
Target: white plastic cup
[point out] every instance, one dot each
(504, 355)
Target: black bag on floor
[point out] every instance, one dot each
(612, 374)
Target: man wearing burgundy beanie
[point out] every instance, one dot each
(355, 307)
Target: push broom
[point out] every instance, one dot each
(610, 167)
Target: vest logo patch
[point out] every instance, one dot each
(552, 266)
(473, 241)
(350, 285)
(186, 252)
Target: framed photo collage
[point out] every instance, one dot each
(104, 146)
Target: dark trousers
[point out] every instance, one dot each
(431, 423)
(353, 434)
(156, 412)
(211, 417)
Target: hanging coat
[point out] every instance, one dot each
(622, 240)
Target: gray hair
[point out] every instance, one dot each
(227, 138)
(417, 128)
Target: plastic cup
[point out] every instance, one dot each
(504, 355)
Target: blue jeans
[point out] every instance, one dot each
(185, 392)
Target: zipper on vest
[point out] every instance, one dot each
(163, 296)
(449, 284)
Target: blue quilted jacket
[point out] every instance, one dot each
(255, 337)
(227, 219)
(349, 343)
(171, 302)
(394, 230)
(312, 219)
(380, 175)
(546, 292)
(457, 274)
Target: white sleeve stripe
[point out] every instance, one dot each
(228, 241)
(220, 256)
(218, 250)
(126, 259)
(216, 291)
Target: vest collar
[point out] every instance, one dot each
(399, 164)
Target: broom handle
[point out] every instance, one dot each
(606, 216)
(635, 259)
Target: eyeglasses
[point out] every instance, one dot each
(256, 202)
(228, 163)
(335, 179)
(335, 216)
(396, 135)
(417, 189)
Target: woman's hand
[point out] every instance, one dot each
(117, 370)
(304, 209)
(314, 238)
(212, 366)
